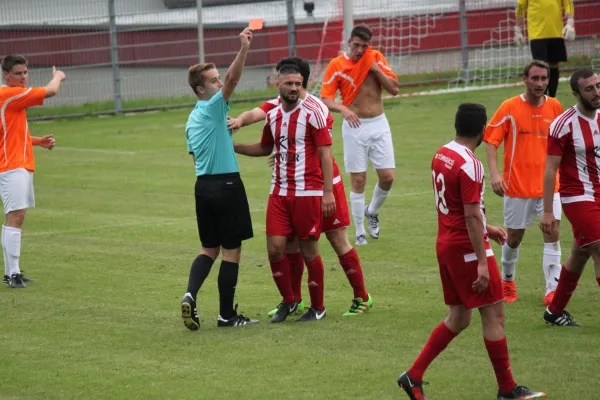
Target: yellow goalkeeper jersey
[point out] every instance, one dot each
(544, 17)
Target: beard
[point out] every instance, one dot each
(588, 105)
(288, 100)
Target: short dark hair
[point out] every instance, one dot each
(362, 32)
(470, 120)
(289, 69)
(536, 63)
(302, 65)
(10, 61)
(196, 74)
(582, 73)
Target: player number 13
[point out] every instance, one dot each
(440, 200)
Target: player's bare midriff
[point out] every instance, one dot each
(368, 102)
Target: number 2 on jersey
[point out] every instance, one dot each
(440, 200)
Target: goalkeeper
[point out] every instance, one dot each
(546, 32)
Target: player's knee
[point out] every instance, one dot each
(292, 246)
(339, 241)
(212, 252)
(553, 237)
(358, 181)
(309, 249)
(15, 219)
(514, 238)
(593, 250)
(458, 322)
(276, 247)
(386, 180)
(276, 251)
(232, 252)
(493, 316)
(308, 255)
(275, 254)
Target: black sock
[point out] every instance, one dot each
(553, 82)
(198, 273)
(228, 276)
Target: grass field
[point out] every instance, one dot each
(113, 236)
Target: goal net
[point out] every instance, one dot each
(443, 44)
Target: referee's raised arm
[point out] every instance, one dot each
(234, 73)
(222, 210)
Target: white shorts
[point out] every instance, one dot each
(16, 190)
(372, 140)
(519, 213)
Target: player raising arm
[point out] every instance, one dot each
(470, 277)
(222, 210)
(301, 189)
(573, 151)
(360, 74)
(16, 152)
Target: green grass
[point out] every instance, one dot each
(113, 235)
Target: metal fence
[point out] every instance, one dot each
(122, 55)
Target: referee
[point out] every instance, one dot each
(222, 208)
(546, 32)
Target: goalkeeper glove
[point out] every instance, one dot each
(519, 38)
(569, 30)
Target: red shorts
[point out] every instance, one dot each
(341, 218)
(458, 270)
(292, 216)
(584, 217)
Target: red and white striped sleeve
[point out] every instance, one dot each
(560, 132)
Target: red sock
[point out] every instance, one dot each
(316, 285)
(498, 352)
(439, 339)
(598, 280)
(351, 265)
(296, 271)
(281, 276)
(566, 286)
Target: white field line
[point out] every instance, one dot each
(460, 90)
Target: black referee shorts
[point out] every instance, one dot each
(222, 211)
(551, 50)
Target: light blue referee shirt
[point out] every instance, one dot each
(208, 138)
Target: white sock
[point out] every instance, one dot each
(551, 264)
(6, 269)
(11, 243)
(509, 261)
(379, 196)
(357, 202)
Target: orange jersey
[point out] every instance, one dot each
(347, 76)
(524, 130)
(16, 150)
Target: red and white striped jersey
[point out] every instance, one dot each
(296, 136)
(458, 179)
(271, 104)
(576, 139)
